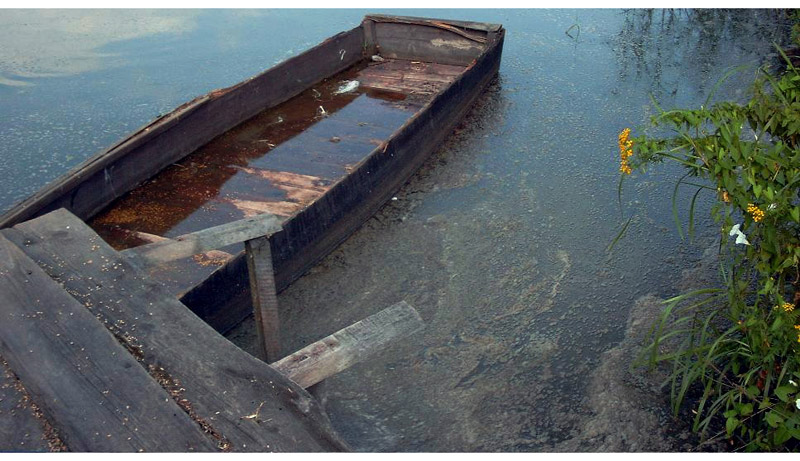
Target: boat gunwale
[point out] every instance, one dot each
(71, 180)
(286, 274)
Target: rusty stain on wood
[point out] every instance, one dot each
(254, 207)
(299, 188)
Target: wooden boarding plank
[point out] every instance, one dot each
(265, 298)
(21, 429)
(206, 239)
(220, 383)
(350, 345)
(92, 390)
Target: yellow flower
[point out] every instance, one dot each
(755, 212)
(789, 307)
(625, 151)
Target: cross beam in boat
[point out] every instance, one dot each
(254, 232)
(207, 239)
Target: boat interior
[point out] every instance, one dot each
(277, 162)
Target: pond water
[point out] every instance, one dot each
(499, 241)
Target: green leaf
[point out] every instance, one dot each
(783, 392)
(757, 188)
(773, 419)
(746, 409)
(730, 425)
(782, 434)
(795, 212)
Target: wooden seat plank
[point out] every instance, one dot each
(244, 400)
(91, 389)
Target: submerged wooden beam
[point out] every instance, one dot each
(351, 345)
(265, 297)
(207, 239)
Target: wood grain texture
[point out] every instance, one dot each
(20, 427)
(419, 43)
(265, 298)
(350, 345)
(207, 239)
(219, 383)
(92, 390)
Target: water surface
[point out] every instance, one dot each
(499, 242)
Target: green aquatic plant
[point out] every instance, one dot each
(734, 351)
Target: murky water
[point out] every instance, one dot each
(499, 242)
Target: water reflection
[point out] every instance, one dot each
(48, 43)
(695, 43)
(499, 241)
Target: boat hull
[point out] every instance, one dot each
(223, 298)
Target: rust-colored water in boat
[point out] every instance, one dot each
(277, 162)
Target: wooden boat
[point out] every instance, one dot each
(299, 140)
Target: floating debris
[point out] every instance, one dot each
(376, 58)
(347, 86)
(335, 139)
(322, 112)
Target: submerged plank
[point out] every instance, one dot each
(91, 389)
(350, 345)
(219, 383)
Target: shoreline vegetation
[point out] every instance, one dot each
(731, 349)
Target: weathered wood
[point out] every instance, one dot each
(21, 429)
(265, 297)
(92, 390)
(95, 183)
(350, 345)
(221, 384)
(482, 26)
(420, 43)
(206, 239)
(314, 232)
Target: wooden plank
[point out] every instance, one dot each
(22, 427)
(206, 239)
(221, 384)
(91, 389)
(482, 26)
(350, 345)
(265, 297)
(421, 43)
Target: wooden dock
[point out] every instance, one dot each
(97, 356)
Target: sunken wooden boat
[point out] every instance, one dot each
(301, 140)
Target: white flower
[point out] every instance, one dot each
(772, 206)
(797, 403)
(740, 237)
(792, 383)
